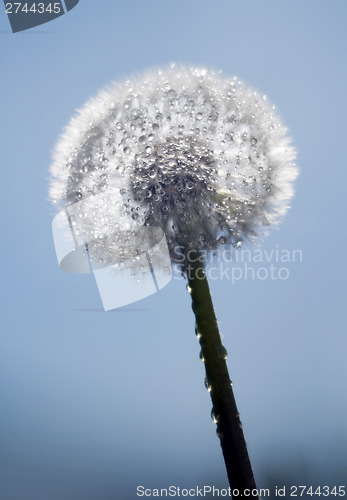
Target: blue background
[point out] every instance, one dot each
(94, 403)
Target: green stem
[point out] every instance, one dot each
(213, 354)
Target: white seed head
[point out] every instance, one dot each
(203, 157)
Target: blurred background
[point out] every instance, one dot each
(94, 404)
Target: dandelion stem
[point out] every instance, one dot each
(225, 413)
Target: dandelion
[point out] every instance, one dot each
(203, 158)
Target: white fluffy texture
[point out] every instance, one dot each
(203, 157)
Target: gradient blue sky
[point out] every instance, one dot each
(95, 403)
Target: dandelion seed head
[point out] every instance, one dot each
(203, 157)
